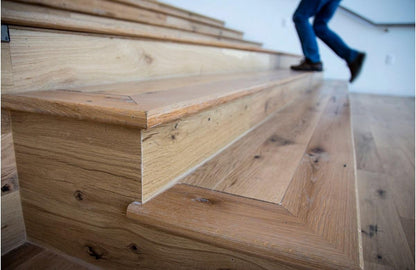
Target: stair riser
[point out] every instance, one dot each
(48, 60)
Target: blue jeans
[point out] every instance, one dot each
(323, 10)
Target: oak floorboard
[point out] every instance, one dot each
(387, 186)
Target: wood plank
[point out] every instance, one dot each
(12, 225)
(77, 60)
(172, 149)
(387, 187)
(174, 11)
(48, 146)
(44, 17)
(384, 240)
(265, 230)
(146, 109)
(120, 11)
(261, 164)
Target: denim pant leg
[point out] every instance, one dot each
(306, 10)
(330, 38)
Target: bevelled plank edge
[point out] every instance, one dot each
(78, 111)
(257, 228)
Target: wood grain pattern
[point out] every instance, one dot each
(385, 179)
(170, 150)
(77, 60)
(314, 210)
(174, 11)
(44, 17)
(140, 106)
(12, 226)
(120, 11)
(96, 230)
(48, 146)
(262, 163)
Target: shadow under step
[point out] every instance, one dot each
(139, 138)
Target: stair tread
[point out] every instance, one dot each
(314, 226)
(50, 18)
(103, 14)
(169, 9)
(146, 104)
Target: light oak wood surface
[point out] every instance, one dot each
(76, 60)
(186, 125)
(172, 149)
(267, 155)
(314, 226)
(117, 10)
(84, 217)
(172, 10)
(135, 105)
(384, 246)
(384, 130)
(49, 18)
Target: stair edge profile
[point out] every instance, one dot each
(82, 106)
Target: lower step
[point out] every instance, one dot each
(139, 138)
(313, 226)
(299, 167)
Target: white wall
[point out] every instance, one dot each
(390, 64)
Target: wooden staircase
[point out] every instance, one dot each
(147, 136)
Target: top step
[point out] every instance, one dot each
(121, 11)
(172, 10)
(150, 103)
(29, 15)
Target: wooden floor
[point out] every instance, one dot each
(384, 133)
(384, 138)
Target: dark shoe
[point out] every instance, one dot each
(356, 65)
(307, 65)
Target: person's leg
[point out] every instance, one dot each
(306, 10)
(320, 26)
